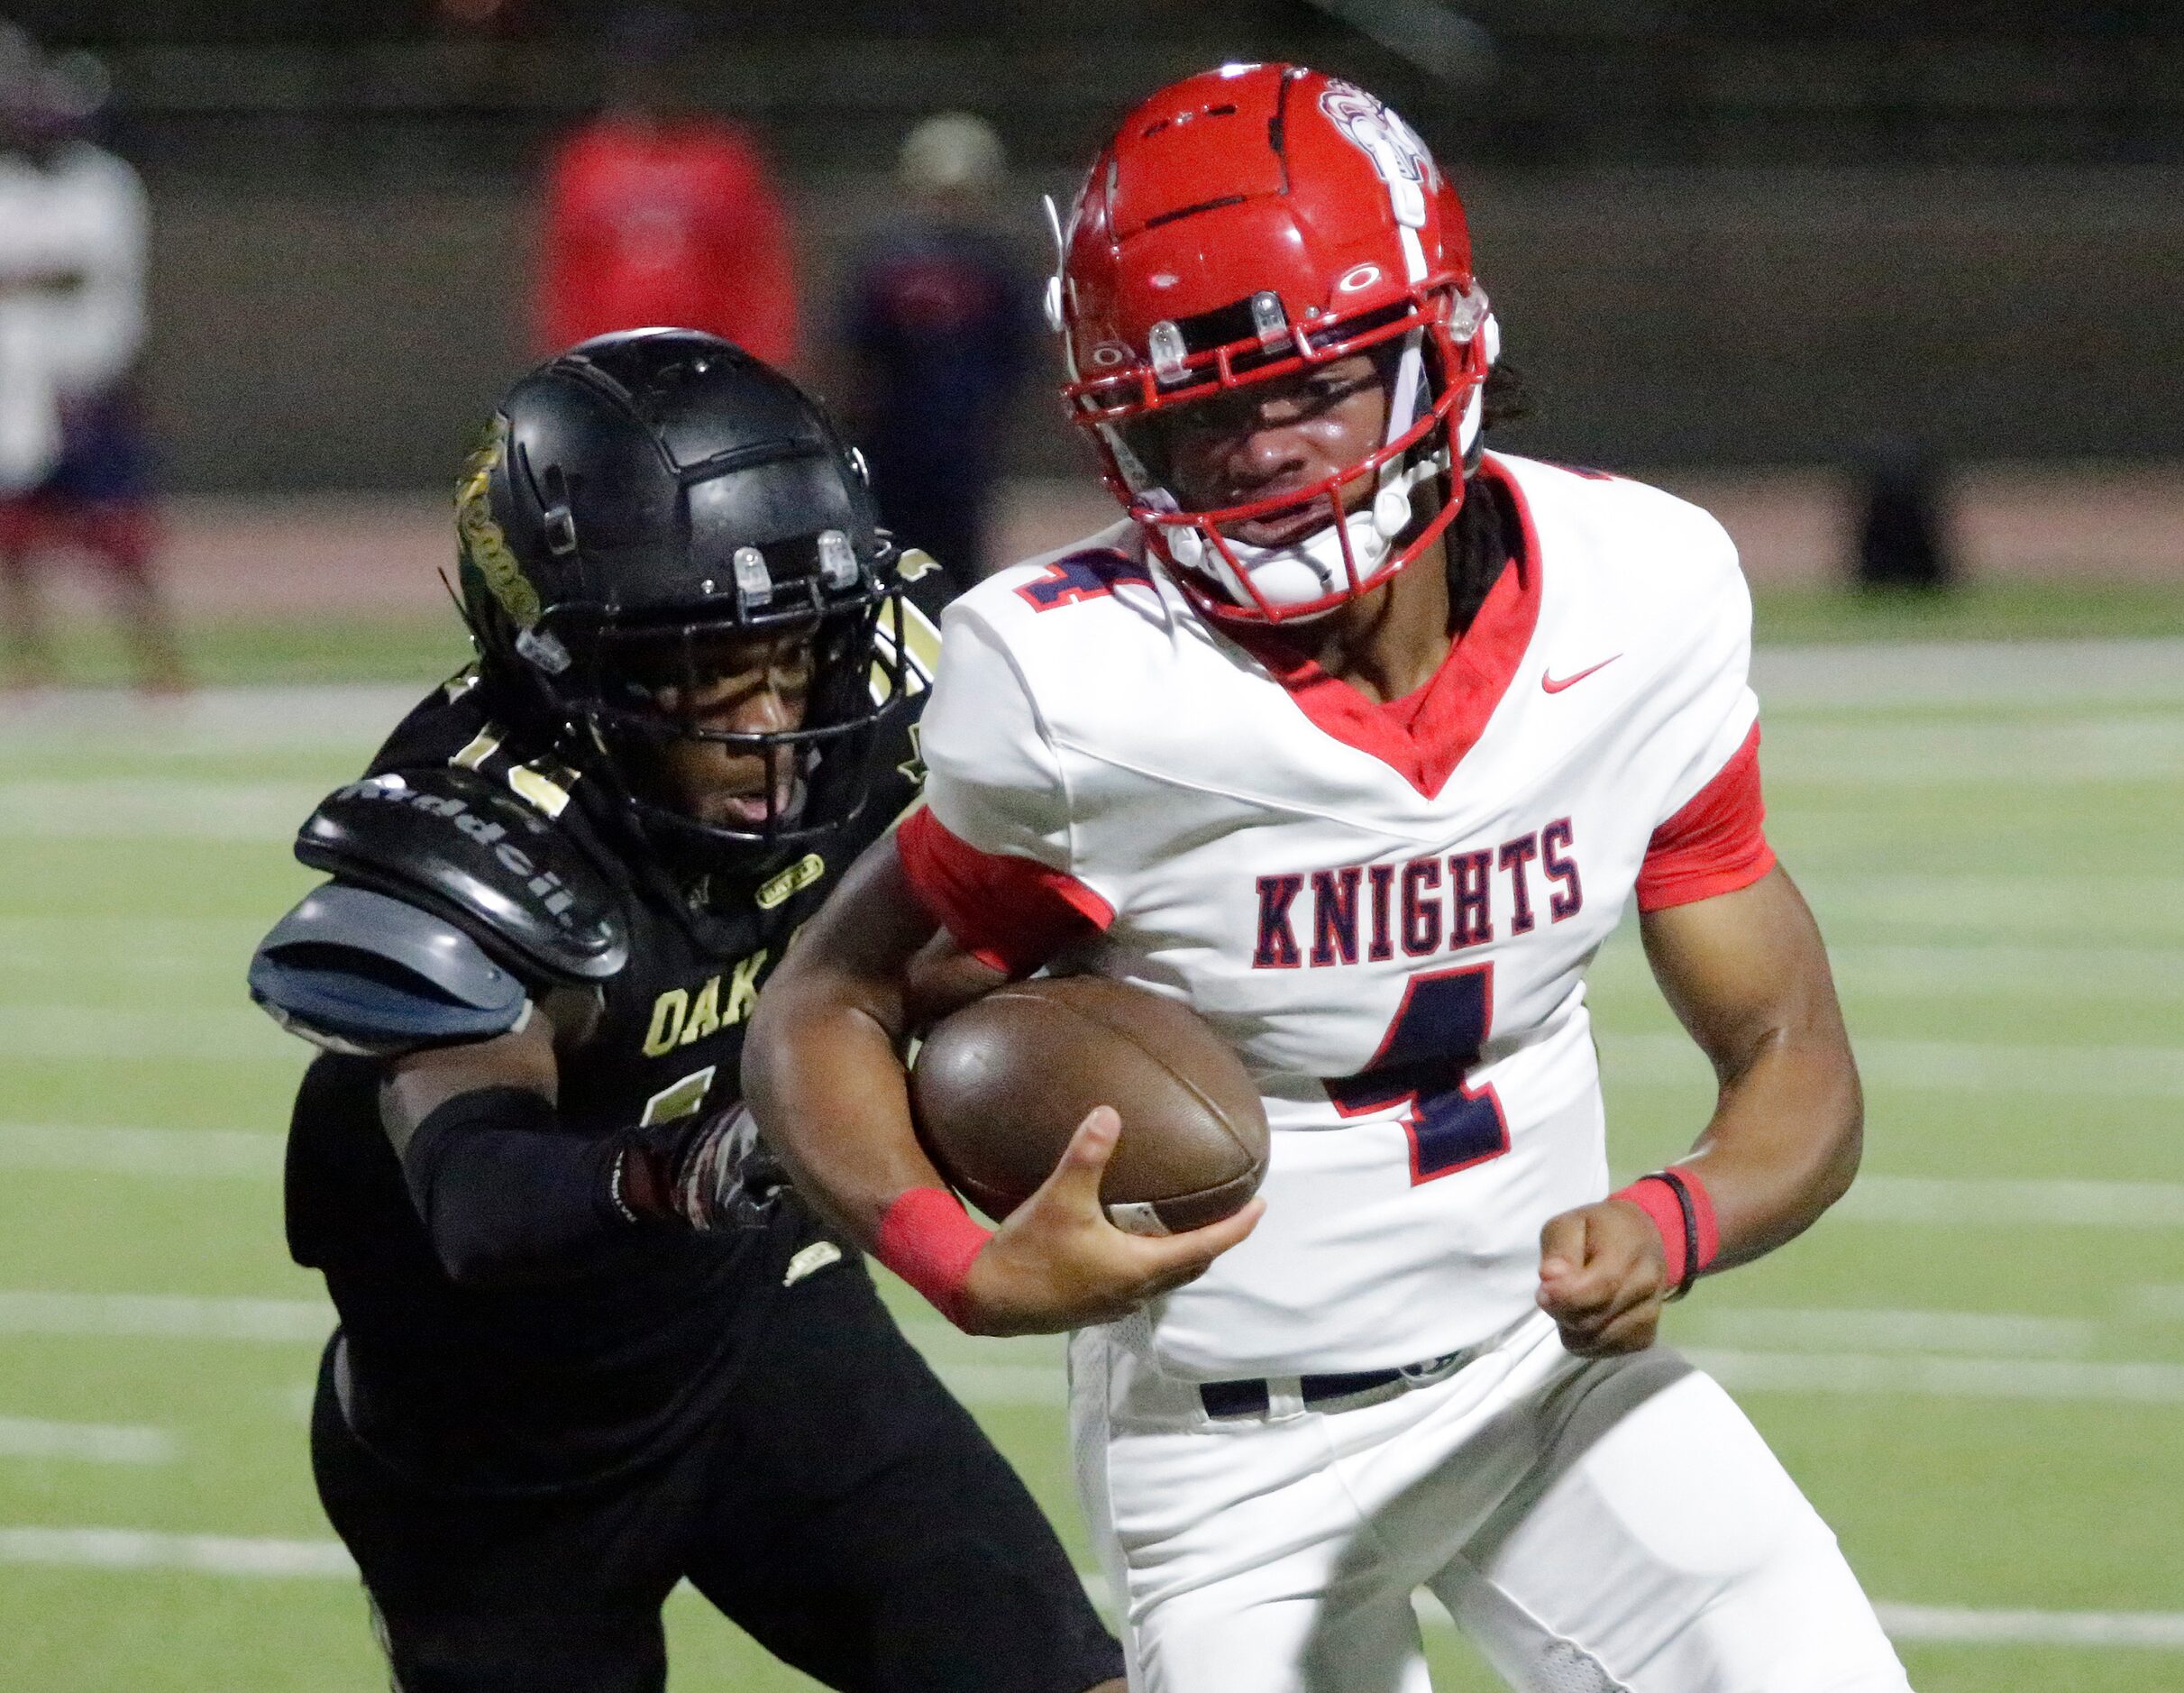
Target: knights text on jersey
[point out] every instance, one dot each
(1388, 910)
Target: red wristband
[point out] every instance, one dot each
(930, 1239)
(1690, 1238)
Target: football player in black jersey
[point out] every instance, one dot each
(588, 1345)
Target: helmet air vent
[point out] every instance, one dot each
(1166, 346)
(837, 561)
(557, 523)
(1467, 312)
(754, 581)
(560, 528)
(1055, 320)
(542, 650)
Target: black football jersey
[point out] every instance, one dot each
(541, 1385)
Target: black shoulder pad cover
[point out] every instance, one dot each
(462, 846)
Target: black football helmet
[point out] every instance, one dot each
(640, 504)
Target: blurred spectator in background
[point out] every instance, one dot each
(1903, 535)
(659, 214)
(74, 472)
(938, 328)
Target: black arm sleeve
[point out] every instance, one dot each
(507, 1196)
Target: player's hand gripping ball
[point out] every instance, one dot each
(999, 1088)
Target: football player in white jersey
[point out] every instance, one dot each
(75, 474)
(1359, 738)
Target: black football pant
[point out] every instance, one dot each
(843, 1509)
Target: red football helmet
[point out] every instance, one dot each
(1245, 224)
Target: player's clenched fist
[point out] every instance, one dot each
(1604, 1277)
(1057, 1262)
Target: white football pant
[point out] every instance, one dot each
(1604, 1526)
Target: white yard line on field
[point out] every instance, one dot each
(153, 807)
(2131, 974)
(2162, 1303)
(153, 1152)
(1976, 1201)
(165, 1317)
(90, 1443)
(987, 1377)
(1004, 1383)
(105, 1034)
(986, 1373)
(1969, 969)
(107, 932)
(130, 1549)
(1969, 907)
(1961, 1626)
(1924, 1200)
(240, 1033)
(134, 808)
(1958, 1625)
(1875, 674)
(1854, 1373)
(991, 1386)
(2119, 1072)
(1969, 673)
(1937, 749)
(1918, 1332)
(81, 942)
(216, 949)
(1941, 1377)
(1931, 917)
(124, 952)
(1795, 768)
(211, 719)
(206, 1554)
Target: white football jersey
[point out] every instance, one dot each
(1388, 911)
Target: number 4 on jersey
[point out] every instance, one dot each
(1435, 1038)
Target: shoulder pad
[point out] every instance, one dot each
(467, 850)
(364, 974)
(926, 583)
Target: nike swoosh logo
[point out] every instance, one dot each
(1552, 686)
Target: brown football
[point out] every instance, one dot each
(999, 1088)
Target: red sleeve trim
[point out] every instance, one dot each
(1003, 910)
(930, 1239)
(1716, 843)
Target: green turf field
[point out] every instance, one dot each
(1976, 1368)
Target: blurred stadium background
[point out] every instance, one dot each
(1750, 248)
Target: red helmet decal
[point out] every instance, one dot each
(1393, 145)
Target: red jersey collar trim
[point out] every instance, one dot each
(1461, 697)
